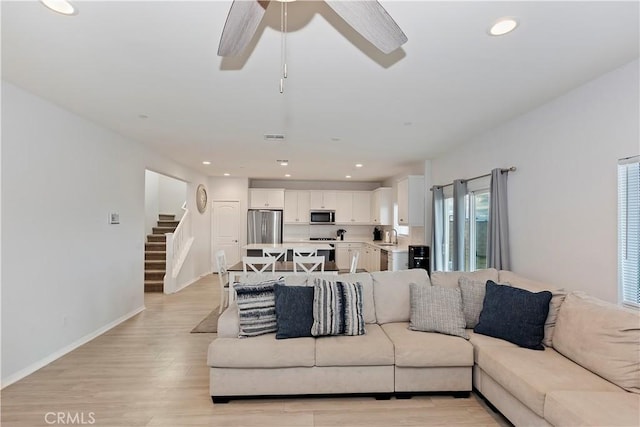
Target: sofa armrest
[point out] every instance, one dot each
(229, 322)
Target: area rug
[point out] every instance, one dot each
(208, 325)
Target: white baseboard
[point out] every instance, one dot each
(67, 349)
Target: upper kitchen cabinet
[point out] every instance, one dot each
(323, 200)
(296, 207)
(382, 206)
(410, 200)
(269, 198)
(353, 207)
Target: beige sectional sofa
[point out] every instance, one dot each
(588, 374)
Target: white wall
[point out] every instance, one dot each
(162, 195)
(67, 274)
(562, 198)
(151, 200)
(314, 185)
(172, 195)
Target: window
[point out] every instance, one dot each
(478, 229)
(629, 231)
(475, 231)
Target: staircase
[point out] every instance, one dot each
(155, 253)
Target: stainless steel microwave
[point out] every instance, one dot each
(323, 217)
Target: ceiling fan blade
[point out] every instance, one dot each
(242, 22)
(372, 21)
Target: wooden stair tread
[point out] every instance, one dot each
(155, 252)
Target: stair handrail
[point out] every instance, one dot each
(178, 245)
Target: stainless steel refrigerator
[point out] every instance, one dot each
(264, 226)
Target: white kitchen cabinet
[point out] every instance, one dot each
(323, 200)
(365, 257)
(344, 252)
(353, 207)
(270, 198)
(374, 258)
(296, 207)
(382, 206)
(410, 199)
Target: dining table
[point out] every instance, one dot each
(283, 268)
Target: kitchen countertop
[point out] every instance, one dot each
(321, 246)
(389, 248)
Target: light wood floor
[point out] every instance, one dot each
(150, 371)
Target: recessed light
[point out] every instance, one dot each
(226, 174)
(60, 6)
(358, 165)
(143, 116)
(206, 162)
(348, 176)
(283, 162)
(287, 175)
(503, 26)
(335, 139)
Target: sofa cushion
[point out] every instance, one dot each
(514, 314)
(368, 305)
(436, 309)
(391, 293)
(426, 349)
(294, 311)
(263, 351)
(602, 337)
(557, 298)
(592, 408)
(449, 279)
(371, 349)
(257, 307)
(530, 375)
(337, 308)
(472, 299)
(480, 341)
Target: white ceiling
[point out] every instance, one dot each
(117, 60)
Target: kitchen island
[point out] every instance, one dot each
(288, 246)
(324, 249)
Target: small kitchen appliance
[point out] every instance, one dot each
(340, 233)
(377, 234)
(419, 257)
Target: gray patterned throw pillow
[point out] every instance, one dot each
(437, 309)
(472, 298)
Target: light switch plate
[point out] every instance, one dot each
(114, 218)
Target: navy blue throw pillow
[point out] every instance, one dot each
(294, 311)
(514, 314)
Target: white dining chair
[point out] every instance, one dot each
(278, 253)
(308, 264)
(258, 264)
(354, 261)
(302, 251)
(223, 278)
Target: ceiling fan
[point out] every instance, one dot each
(367, 17)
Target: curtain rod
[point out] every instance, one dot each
(511, 169)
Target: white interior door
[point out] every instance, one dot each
(226, 231)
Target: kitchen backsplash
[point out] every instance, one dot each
(295, 232)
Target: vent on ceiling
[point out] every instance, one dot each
(273, 137)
